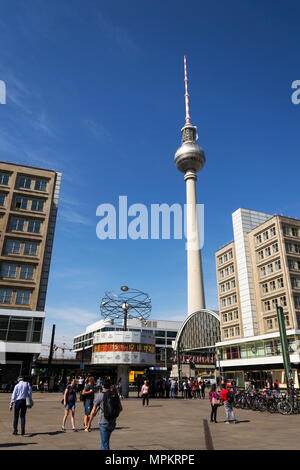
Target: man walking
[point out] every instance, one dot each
(110, 407)
(21, 391)
(228, 398)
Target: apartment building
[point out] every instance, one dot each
(28, 207)
(258, 271)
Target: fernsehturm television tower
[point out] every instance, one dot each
(189, 159)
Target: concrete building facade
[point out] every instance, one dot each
(28, 208)
(256, 272)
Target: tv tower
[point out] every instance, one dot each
(190, 159)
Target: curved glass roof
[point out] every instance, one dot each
(200, 330)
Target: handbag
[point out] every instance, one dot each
(29, 402)
(215, 401)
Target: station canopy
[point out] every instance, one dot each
(200, 330)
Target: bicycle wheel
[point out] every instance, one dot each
(284, 407)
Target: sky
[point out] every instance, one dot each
(95, 90)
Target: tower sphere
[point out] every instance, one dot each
(189, 156)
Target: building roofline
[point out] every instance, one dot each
(29, 166)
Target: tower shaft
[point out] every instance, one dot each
(195, 286)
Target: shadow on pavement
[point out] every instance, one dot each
(51, 433)
(15, 444)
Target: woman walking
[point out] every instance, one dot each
(145, 392)
(214, 402)
(69, 402)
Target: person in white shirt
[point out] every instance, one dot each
(21, 391)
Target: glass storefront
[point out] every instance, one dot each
(258, 349)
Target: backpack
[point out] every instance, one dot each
(230, 397)
(111, 405)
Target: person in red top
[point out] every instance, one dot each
(227, 397)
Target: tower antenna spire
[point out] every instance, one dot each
(187, 103)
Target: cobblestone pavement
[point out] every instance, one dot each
(165, 425)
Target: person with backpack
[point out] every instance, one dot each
(227, 398)
(22, 399)
(109, 404)
(69, 402)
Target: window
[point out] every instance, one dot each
(227, 285)
(295, 232)
(37, 205)
(40, 185)
(221, 260)
(9, 270)
(231, 269)
(26, 271)
(263, 271)
(4, 177)
(272, 285)
(283, 301)
(233, 284)
(260, 254)
(226, 271)
(280, 283)
(17, 224)
(265, 288)
(268, 251)
(231, 331)
(275, 248)
(269, 324)
(23, 297)
(221, 274)
(225, 317)
(297, 301)
(225, 258)
(5, 296)
(12, 247)
(270, 268)
(258, 239)
(30, 248)
(267, 305)
(21, 202)
(223, 302)
(266, 235)
(230, 255)
(295, 282)
(277, 265)
(274, 303)
(272, 231)
(234, 299)
(230, 316)
(25, 182)
(236, 314)
(237, 331)
(226, 333)
(2, 199)
(222, 287)
(34, 226)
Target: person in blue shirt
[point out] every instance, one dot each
(21, 391)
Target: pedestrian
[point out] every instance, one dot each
(41, 386)
(214, 402)
(46, 387)
(80, 383)
(203, 385)
(173, 388)
(227, 398)
(88, 395)
(69, 402)
(277, 387)
(119, 388)
(21, 398)
(185, 389)
(145, 392)
(109, 404)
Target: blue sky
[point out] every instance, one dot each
(95, 90)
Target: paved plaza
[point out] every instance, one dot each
(165, 425)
